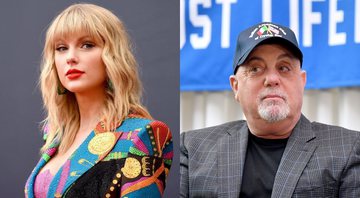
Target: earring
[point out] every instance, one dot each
(110, 85)
(61, 90)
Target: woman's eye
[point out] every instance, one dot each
(87, 45)
(60, 48)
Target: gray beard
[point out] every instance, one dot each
(273, 111)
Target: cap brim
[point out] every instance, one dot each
(287, 44)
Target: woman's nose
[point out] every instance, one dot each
(71, 57)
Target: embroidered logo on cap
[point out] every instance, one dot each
(267, 30)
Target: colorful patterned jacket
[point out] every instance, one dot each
(133, 161)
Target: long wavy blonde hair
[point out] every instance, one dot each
(122, 98)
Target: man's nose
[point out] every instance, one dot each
(272, 78)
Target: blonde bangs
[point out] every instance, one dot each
(72, 21)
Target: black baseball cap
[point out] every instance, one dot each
(265, 32)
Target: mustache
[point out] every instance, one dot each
(272, 92)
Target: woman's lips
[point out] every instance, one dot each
(73, 74)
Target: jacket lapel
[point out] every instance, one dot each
(300, 147)
(46, 156)
(231, 157)
(95, 147)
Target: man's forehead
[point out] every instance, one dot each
(260, 50)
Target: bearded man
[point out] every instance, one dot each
(277, 151)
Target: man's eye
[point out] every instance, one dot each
(284, 68)
(255, 69)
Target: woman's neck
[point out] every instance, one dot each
(91, 106)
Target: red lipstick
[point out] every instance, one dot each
(73, 74)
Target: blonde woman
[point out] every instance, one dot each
(100, 141)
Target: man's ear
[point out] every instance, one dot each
(303, 77)
(234, 84)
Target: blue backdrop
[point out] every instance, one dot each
(328, 32)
